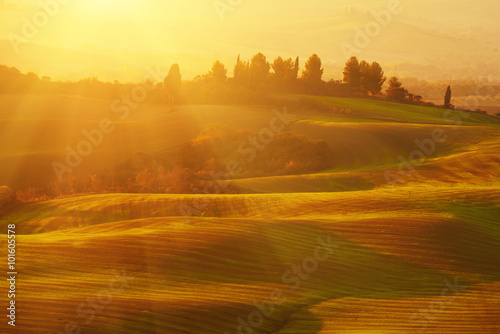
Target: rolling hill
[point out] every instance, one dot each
(346, 250)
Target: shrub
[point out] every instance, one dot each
(7, 196)
(286, 153)
(479, 111)
(31, 195)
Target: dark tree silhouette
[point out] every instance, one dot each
(259, 70)
(313, 71)
(395, 83)
(396, 90)
(284, 74)
(218, 73)
(296, 68)
(372, 77)
(447, 98)
(279, 69)
(352, 73)
(172, 84)
(241, 73)
(283, 69)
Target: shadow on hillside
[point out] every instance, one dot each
(473, 238)
(223, 319)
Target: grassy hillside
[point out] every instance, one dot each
(36, 131)
(458, 166)
(370, 109)
(416, 255)
(390, 249)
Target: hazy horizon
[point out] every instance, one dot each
(117, 40)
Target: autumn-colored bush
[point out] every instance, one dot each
(7, 196)
(82, 183)
(284, 153)
(197, 165)
(160, 180)
(31, 195)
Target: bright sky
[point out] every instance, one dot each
(193, 31)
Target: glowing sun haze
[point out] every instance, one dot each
(115, 39)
